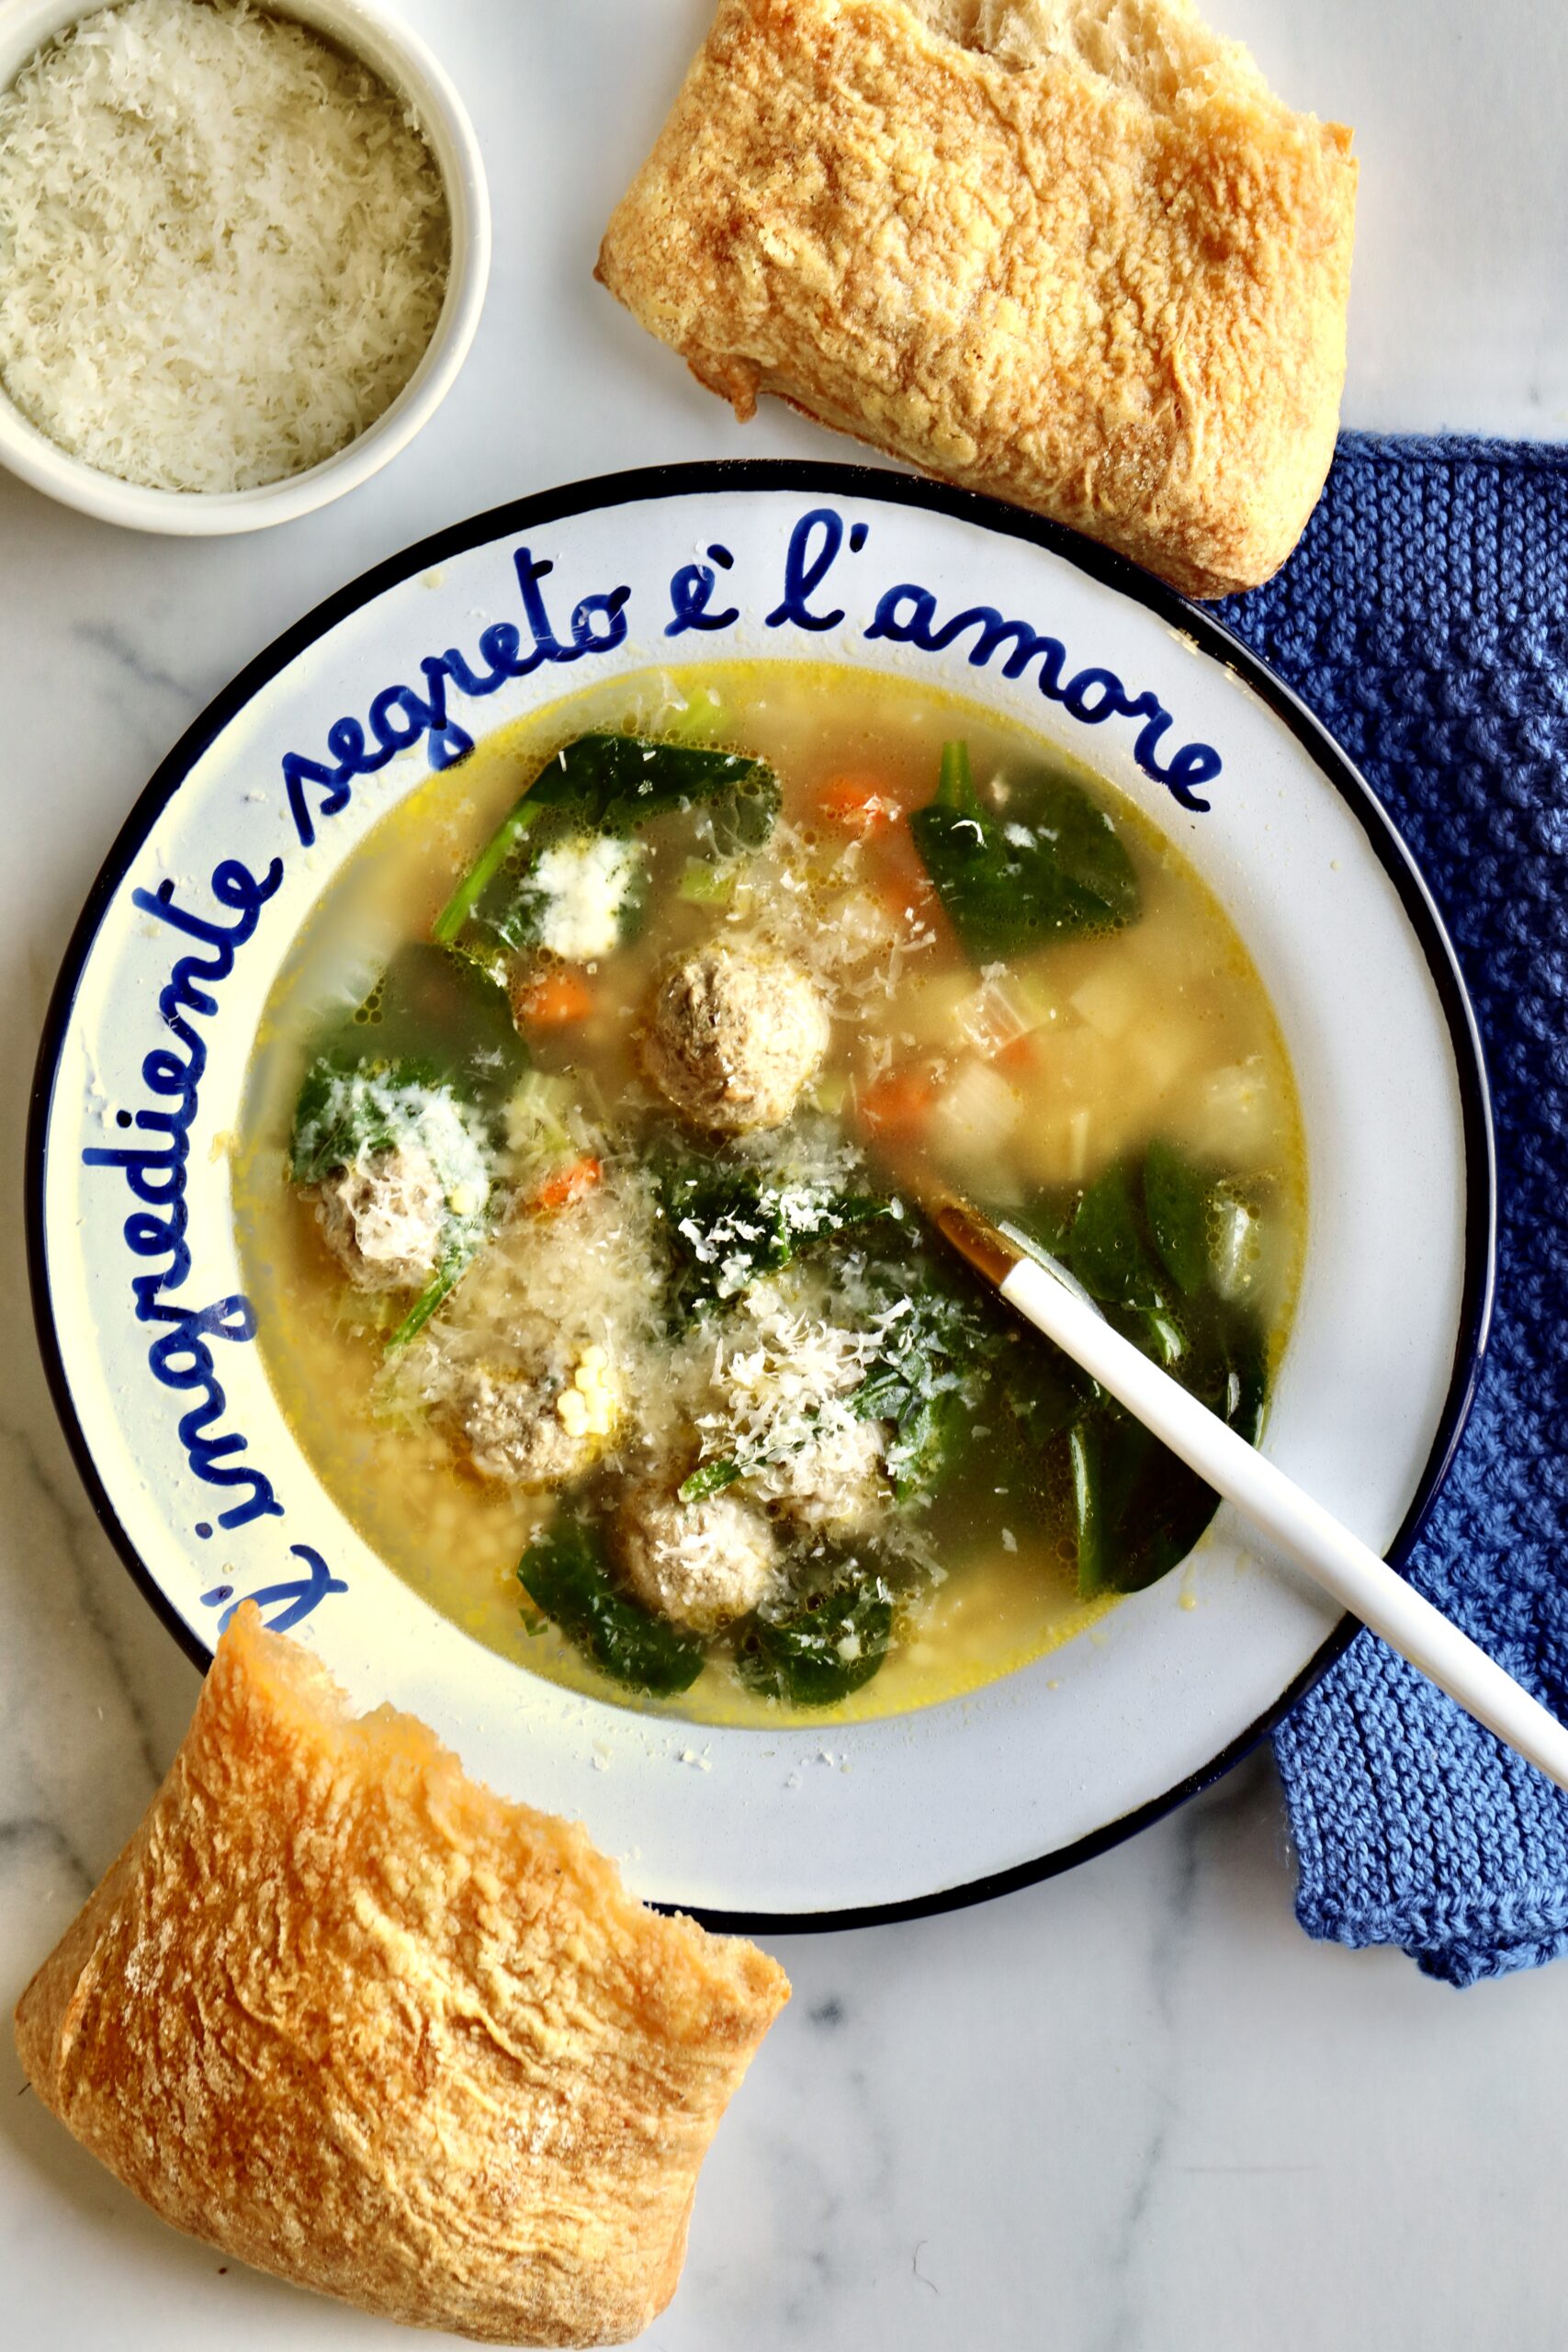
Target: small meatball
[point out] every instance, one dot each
(698, 1564)
(735, 1037)
(835, 1486)
(526, 1428)
(383, 1218)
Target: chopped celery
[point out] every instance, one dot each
(706, 884)
(706, 715)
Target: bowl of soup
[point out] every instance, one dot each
(488, 1121)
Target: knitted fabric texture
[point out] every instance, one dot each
(1425, 618)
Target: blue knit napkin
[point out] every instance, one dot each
(1425, 618)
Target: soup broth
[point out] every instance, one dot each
(579, 1186)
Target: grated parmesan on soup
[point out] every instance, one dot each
(223, 246)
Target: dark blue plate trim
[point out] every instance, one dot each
(1211, 637)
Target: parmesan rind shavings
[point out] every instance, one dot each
(223, 246)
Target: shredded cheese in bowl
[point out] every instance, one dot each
(224, 246)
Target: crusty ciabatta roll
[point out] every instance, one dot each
(1071, 252)
(347, 2015)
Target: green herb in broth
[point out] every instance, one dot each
(462, 1245)
(726, 1225)
(831, 1641)
(606, 783)
(351, 1109)
(1140, 1240)
(928, 1380)
(711, 1479)
(565, 1574)
(431, 1021)
(1179, 1206)
(1046, 864)
(416, 1073)
(776, 1255)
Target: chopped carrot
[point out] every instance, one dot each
(896, 1104)
(551, 1000)
(897, 872)
(904, 890)
(860, 804)
(564, 1185)
(1018, 1054)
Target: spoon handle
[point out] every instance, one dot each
(1310, 1535)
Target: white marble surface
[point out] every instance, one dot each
(1131, 2111)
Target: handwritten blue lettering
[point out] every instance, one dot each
(907, 615)
(805, 572)
(299, 1595)
(154, 1175)
(402, 717)
(691, 591)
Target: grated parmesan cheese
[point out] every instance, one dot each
(223, 246)
(781, 1385)
(581, 890)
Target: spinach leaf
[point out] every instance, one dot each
(606, 783)
(727, 1224)
(347, 1108)
(1055, 869)
(951, 1356)
(565, 1574)
(929, 1373)
(521, 914)
(1042, 1391)
(1138, 1241)
(832, 1641)
(1177, 1201)
(1139, 1510)
(429, 1021)
(1105, 1245)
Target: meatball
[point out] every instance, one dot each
(525, 1427)
(699, 1563)
(836, 1486)
(384, 1218)
(734, 1038)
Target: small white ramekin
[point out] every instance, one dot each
(404, 62)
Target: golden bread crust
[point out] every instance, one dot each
(1112, 294)
(354, 2018)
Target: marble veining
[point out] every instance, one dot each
(1132, 2110)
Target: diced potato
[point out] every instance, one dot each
(1110, 1000)
(1161, 1049)
(1065, 1147)
(976, 1113)
(1231, 1116)
(929, 1014)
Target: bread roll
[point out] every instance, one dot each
(350, 2017)
(1070, 251)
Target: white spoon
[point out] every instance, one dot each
(1364, 1584)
